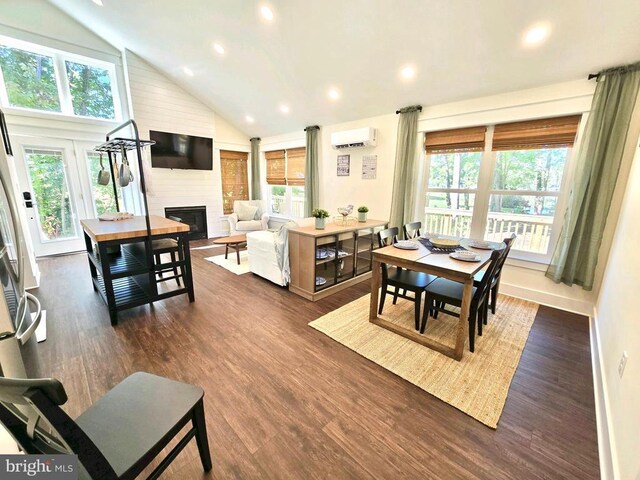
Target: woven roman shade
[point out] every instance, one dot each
(276, 167)
(457, 140)
(235, 182)
(295, 166)
(546, 133)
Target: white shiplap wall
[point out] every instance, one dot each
(159, 104)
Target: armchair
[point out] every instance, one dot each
(240, 221)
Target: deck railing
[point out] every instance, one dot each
(533, 231)
(278, 205)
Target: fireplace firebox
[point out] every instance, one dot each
(195, 217)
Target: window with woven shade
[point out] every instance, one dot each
(285, 176)
(490, 182)
(276, 167)
(235, 180)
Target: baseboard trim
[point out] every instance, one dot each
(606, 442)
(582, 307)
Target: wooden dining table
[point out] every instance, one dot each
(440, 264)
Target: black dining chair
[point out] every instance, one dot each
(495, 284)
(411, 230)
(443, 292)
(119, 435)
(400, 278)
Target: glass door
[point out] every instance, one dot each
(52, 194)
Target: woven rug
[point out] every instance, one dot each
(231, 263)
(477, 385)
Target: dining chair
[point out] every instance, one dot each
(401, 279)
(411, 230)
(119, 435)
(495, 284)
(443, 292)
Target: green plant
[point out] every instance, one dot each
(363, 209)
(319, 213)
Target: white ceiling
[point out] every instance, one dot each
(460, 49)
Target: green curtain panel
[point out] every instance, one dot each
(255, 169)
(599, 158)
(403, 197)
(311, 189)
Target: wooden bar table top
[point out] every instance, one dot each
(134, 227)
(440, 264)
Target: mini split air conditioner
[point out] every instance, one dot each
(358, 138)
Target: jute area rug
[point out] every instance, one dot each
(477, 385)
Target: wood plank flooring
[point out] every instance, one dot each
(284, 401)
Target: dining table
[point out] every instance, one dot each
(436, 263)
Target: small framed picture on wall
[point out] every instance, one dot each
(344, 162)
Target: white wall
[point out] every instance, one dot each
(520, 279)
(159, 104)
(616, 320)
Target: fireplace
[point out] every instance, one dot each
(195, 217)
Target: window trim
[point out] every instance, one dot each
(483, 192)
(62, 82)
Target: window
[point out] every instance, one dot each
(235, 182)
(509, 182)
(103, 199)
(285, 177)
(42, 79)
(453, 179)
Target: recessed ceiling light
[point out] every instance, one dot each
(187, 71)
(284, 108)
(249, 119)
(218, 48)
(98, 2)
(333, 94)
(408, 72)
(536, 35)
(266, 12)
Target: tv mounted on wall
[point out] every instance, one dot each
(173, 150)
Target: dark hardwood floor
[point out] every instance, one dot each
(284, 401)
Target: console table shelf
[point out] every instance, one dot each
(314, 278)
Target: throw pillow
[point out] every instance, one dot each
(245, 212)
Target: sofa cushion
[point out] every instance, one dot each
(246, 212)
(249, 225)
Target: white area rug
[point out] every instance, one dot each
(231, 263)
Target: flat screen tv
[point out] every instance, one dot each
(173, 150)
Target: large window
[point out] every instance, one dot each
(235, 183)
(42, 79)
(490, 183)
(285, 177)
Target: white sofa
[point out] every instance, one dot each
(264, 257)
(259, 221)
(269, 252)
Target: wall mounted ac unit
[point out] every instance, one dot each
(358, 138)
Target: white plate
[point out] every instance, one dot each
(406, 245)
(481, 245)
(465, 258)
(320, 281)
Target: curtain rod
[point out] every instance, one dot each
(312, 127)
(255, 138)
(419, 109)
(593, 75)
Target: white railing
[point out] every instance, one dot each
(533, 231)
(279, 205)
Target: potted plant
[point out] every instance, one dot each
(362, 213)
(320, 216)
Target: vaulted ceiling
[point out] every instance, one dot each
(459, 49)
